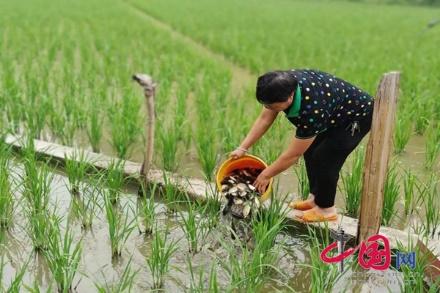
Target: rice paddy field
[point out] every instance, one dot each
(65, 77)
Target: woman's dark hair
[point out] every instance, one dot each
(275, 86)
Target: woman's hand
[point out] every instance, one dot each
(262, 182)
(237, 153)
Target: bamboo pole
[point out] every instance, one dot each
(149, 87)
(377, 156)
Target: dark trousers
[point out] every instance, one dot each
(326, 155)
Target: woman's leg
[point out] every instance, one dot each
(308, 160)
(328, 159)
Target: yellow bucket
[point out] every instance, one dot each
(247, 161)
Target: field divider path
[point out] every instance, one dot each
(199, 189)
(240, 76)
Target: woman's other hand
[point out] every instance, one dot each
(262, 182)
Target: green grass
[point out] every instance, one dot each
(432, 146)
(391, 195)
(76, 166)
(122, 284)
(249, 269)
(63, 255)
(193, 224)
(161, 252)
(94, 123)
(86, 207)
(7, 203)
(410, 186)
(303, 181)
(147, 208)
(323, 276)
(402, 132)
(352, 182)
(430, 216)
(119, 224)
(17, 281)
(115, 179)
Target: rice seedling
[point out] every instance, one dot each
(125, 127)
(119, 225)
(122, 284)
(16, 283)
(76, 167)
(193, 226)
(414, 279)
(115, 179)
(62, 255)
(210, 209)
(161, 252)
(303, 181)
(402, 132)
(391, 195)
(94, 125)
(432, 146)
(206, 150)
(248, 270)
(352, 182)
(87, 206)
(6, 195)
(323, 276)
(409, 187)
(37, 182)
(147, 208)
(431, 217)
(168, 139)
(198, 285)
(171, 194)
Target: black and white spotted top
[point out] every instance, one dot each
(326, 101)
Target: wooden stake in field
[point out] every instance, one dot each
(377, 156)
(149, 86)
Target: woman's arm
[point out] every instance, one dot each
(290, 156)
(260, 126)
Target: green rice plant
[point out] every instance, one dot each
(171, 194)
(303, 181)
(403, 132)
(432, 146)
(125, 124)
(414, 279)
(119, 225)
(194, 227)
(391, 195)
(198, 285)
(409, 188)
(323, 276)
(206, 150)
(352, 182)
(115, 179)
(210, 209)
(6, 195)
(37, 228)
(94, 125)
(431, 216)
(161, 252)
(147, 207)
(168, 140)
(37, 185)
(122, 284)
(76, 167)
(86, 207)
(15, 285)
(249, 270)
(63, 255)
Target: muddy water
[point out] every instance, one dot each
(97, 265)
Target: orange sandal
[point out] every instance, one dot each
(301, 205)
(314, 216)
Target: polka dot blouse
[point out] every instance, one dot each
(326, 101)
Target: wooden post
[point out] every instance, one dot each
(149, 86)
(377, 156)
